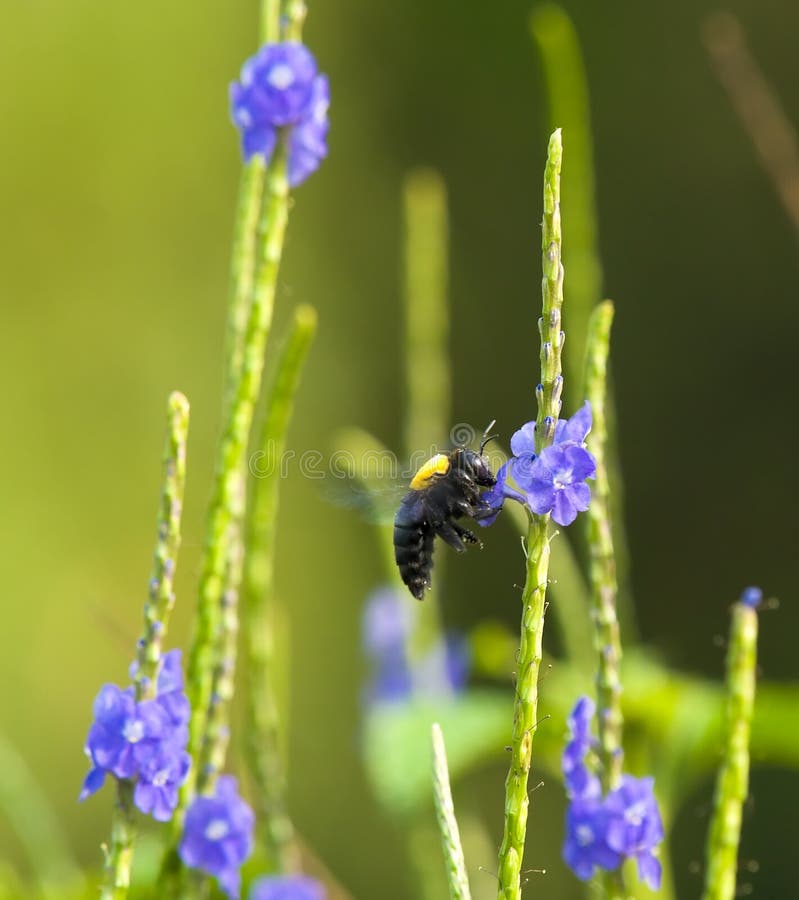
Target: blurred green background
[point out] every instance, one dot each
(118, 173)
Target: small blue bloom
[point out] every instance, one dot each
(555, 482)
(586, 846)
(752, 596)
(161, 774)
(577, 777)
(552, 481)
(144, 741)
(280, 87)
(634, 826)
(601, 832)
(218, 835)
(287, 887)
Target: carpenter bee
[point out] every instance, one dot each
(446, 487)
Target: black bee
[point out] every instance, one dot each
(446, 487)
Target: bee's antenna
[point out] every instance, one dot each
(486, 436)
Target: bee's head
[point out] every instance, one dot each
(475, 467)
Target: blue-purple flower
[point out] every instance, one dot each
(603, 831)
(218, 835)
(143, 741)
(388, 623)
(752, 596)
(553, 481)
(287, 887)
(577, 777)
(280, 87)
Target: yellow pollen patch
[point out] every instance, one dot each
(436, 465)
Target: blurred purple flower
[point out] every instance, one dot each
(752, 596)
(586, 846)
(388, 623)
(280, 87)
(634, 826)
(218, 835)
(287, 887)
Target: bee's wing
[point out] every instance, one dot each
(377, 502)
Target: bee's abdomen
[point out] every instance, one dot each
(413, 550)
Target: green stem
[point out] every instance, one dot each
(569, 106)
(732, 783)
(27, 811)
(209, 639)
(243, 263)
(570, 598)
(457, 879)
(263, 744)
(270, 21)
(119, 855)
(603, 563)
(525, 718)
(607, 638)
(426, 352)
(162, 580)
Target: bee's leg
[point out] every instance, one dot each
(469, 536)
(451, 534)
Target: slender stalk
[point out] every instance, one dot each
(212, 752)
(205, 651)
(757, 105)
(457, 879)
(119, 855)
(732, 783)
(607, 638)
(548, 392)
(603, 562)
(426, 351)
(426, 313)
(259, 604)
(269, 31)
(571, 600)
(162, 580)
(569, 106)
(28, 813)
(243, 263)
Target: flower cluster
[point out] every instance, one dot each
(142, 741)
(604, 831)
(287, 887)
(280, 88)
(218, 835)
(552, 481)
(387, 627)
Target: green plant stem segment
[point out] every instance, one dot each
(569, 106)
(426, 354)
(525, 717)
(607, 638)
(732, 782)
(457, 879)
(259, 604)
(603, 562)
(209, 640)
(162, 580)
(119, 854)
